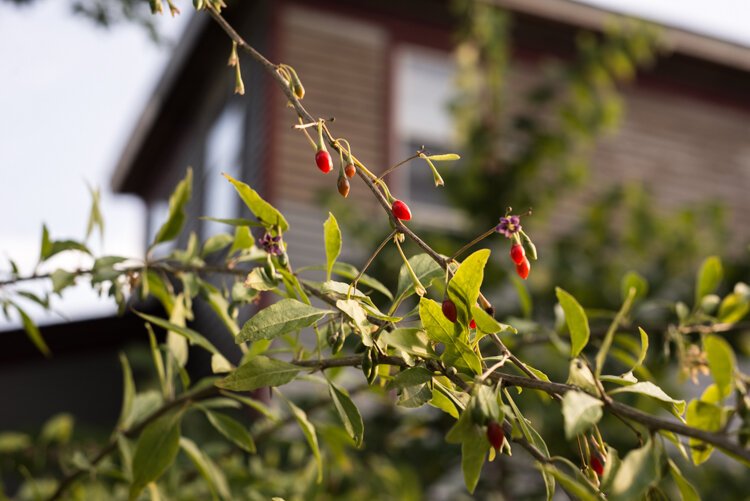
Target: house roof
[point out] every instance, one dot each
(698, 60)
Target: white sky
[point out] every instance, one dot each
(70, 93)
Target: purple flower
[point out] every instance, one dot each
(270, 244)
(509, 226)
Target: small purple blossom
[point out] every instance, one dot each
(270, 244)
(509, 226)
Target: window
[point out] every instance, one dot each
(223, 153)
(423, 90)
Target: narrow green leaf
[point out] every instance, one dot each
(527, 305)
(155, 451)
(214, 477)
(308, 429)
(464, 287)
(176, 218)
(474, 449)
(426, 270)
(62, 279)
(721, 362)
(191, 335)
(709, 277)
(231, 429)
(354, 311)
(644, 348)
(486, 323)
(575, 318)
(259, 372)
(32, 331)
(733, 308)
(412, 376)
(12, 442)
(649, 389)
(687, 491)
(639, 470)
(581, 411)
(280, 318)
(578, 488)
(215, 243)
(332, 235)
(128, 393)
(96, 220)
(442, 330)
(265, 212)
(232, 221)
(445, 157)
(348, 413)
(633, 280)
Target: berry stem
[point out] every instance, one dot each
(473, 243)
(402, 162)
(353, 285)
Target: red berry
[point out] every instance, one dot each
(596, 464)
(517, 254)
(350, 170)
(323, 161)
(472, 324)
(449, 310)
(343, 186)
(495, 435)
(401, 210)
(523, 268)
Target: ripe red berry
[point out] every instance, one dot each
(523, 269)
(401, 210)
(323, 161)
(343, 186)
(472, 324)
(517, 253)
(350, 170)
(596, 464)
(449, 310)
(495, 434)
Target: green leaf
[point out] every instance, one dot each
(651, 390)
(243, 241)
(474, 449)
(32, 331)
(354, 311)
(639, 470)
(258, 372)
(214, 477)
(527, 305)
(733, 308)
(445, 157)
(348, 413)
(577, 322)
(12, 442)
(578, 488)
(155, 451)
(57, 429)
(191, 335)
(280, 318)
(62, 279)
(332, 235)
(231, 429)
(687, 491)
(259, 280)
(308, 429)
(215, 243)
(721, 362)
(176, 218)
(426, 270)
(442, 402)
(709, 277)
(633, 280)
(95, 214)
(486, 323)
(412, 376)
(644, 348)
(581, 411)
(412, 340)
(128, 393)
(49, 247)
(464, 287)
(435, 174)
(232, 221)
(442, 330)
(705, 416)
(265, 212)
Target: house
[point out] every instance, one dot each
(384, 71)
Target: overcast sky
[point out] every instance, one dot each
(70, 93)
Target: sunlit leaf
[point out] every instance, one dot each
(348, 413)
(575, 318)
(721, 362)
(258, 372)
(426, 270)
(155, 451)
(687, 491)
(442, 330)
(232, 430)
(288, 315)
(176, 218)
(581, 411)
(709, 277)
(332, 237)
(464, 287)
(640, 469)
(265, 212)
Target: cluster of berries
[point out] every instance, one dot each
(510, 227)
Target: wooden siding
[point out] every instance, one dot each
(353, 89)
